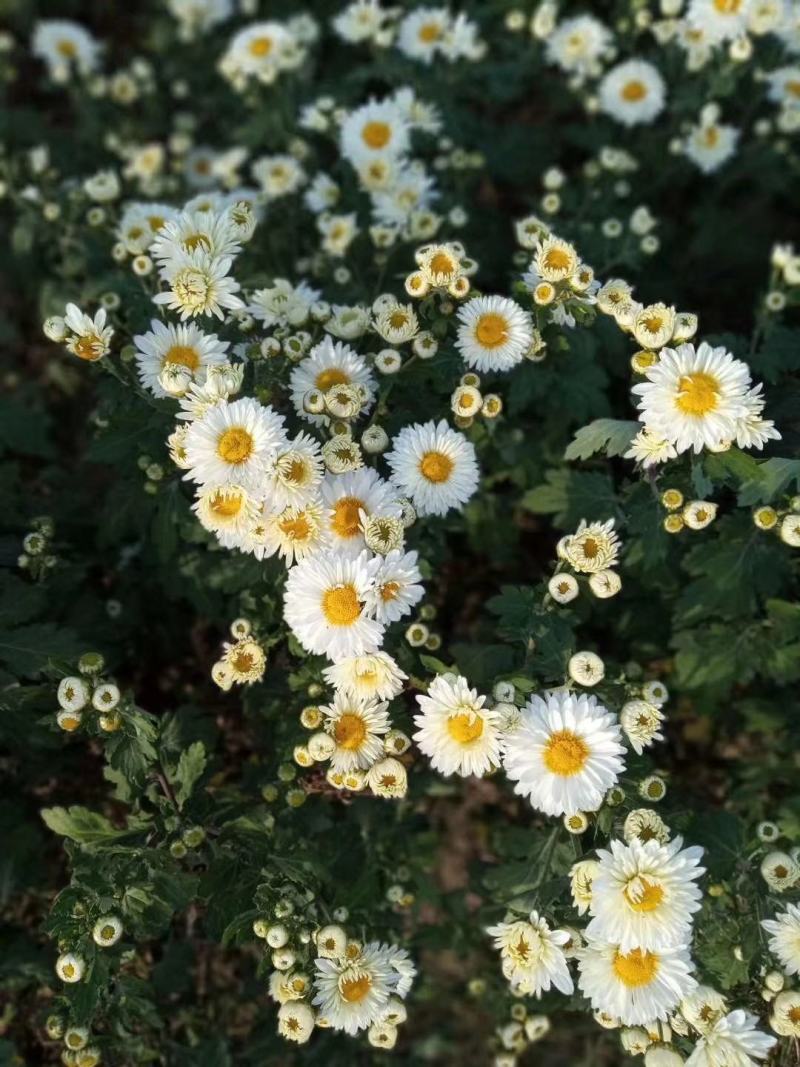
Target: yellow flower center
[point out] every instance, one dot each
(376, 134)
(430, 32)
(389, 591)
(260, 46)
(86, 348)
(226, 505)
(69, 970)
(590, 548)
(107, 933)
(711, 136)
(465, 727)
(182, 356)
(793, 88)
(341, 606)
(345, 521)
(350, 731)
(66, 48)
(398, 319)
(565, 753)
(793, 1015)
(653, 323)
(197, 240)
(727, 7)
(70, 723)
(636, 969)
(295, 472)
(155, 222)
(698, 393)
(436, 467)
(643, 895)
(354, 990)
(633, 91)
(326, 379)
(236, 445)
(297, 529)
(442, 263)
(491, 330)
(242, 662)
(557, 259)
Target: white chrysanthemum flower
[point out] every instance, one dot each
(421, 32)
(169, 345)
(396, 323)
(582, 875)
(199, 284)
(652, 326)
(578, 44)
(351, 499)
(785, 1016)
(636, 987)
(784, 942)
(139, 224)
(73, 693)
(566, 753)
(278, 175)
(294, 475)
(89, 338)
(357, 726)
(375, 129)
(633, 92)
(494, 333)
(455, 731)
(295, 1020)
(367, 677)
(703, 1008)
(693, 397)
(752, 430)
(352, 994)
(194, 231)
(650, 449)
(388, 778)
(262, 51)
(532, 955)
(361, 20)
(107, 931)
(644, 896)
(397, 586)
(593, 547)
(325, 605)
(70, 967)
(719, 20)
(283, 304)
(232, 443)
(641, 722)
(643, 824)
(710, 144)
(733, 1040)
(435, 466)
(295, 533)
(328, 364)
(65, 46)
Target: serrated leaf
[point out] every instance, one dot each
(89, 827)
(775, 476)
(190, 767)
(611, 436)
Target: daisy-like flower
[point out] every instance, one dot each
(396, 323)
(140, 223)
(577, 44)
(360, 21)
(357, 726)
(566, 753)
(703, 1008)
(352, 994)
(65, 46)
(581, 876)
(555, 261)
(784, 942)
(367, 677)
(650, 449)
(710, 144)
(261, 51)
(169, 345)
(632, 92)
(635, 987)
(719, 20)
(295, 1021)
(278, 175)
(328, 364)
(752, 430)
(693, 397)
(532, 955)
(397, 586)
(653, 326)
(89, 338)
(388, 778)
(70, 967)
(494, 333)
(435, 466)
(295, 474)
(642, 824)
(325, 602)
(733, 1039)
(785, 1017)
(225, 509)
(246, 661)
(375, 129)
(351, 499)
(232, 443)
(454, 730)
(641, 722)
(421, 33)
(107, 931)
(592, 548)
(644, 896)
(295, 533)
(283, 304)
(192, 231)
(199, 284)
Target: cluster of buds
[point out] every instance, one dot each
(651, 326)
(691, 514)
(77, 1051)
(36, 557)
(592, 551)
(468, 403)
(79, 693)
(518, 1034)
(243, 660)
(420, 635)
(443, 268)
(785, 280)
(785, 522)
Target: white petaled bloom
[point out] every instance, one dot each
(232, 443)
(194, 231)
(605, 584)
(435, 466)
(577, 44)
(73, 693)
(455, 731)
(388, 778)
(644, 896)
(199, 284)
(703, 1008)
(566, 753)
(642, 824)
(719, 20)
(106, 697)
(278, 175)
(70, 967)
(169, 345)
(295, 1021)
(65, 46)
(376, 129)
(246, 661)
(225, 509)
(653, 326)
(641, 722)
(421, 33)
(532, 955)
(89, 338)
(633, 92)
(732, 1040)
(396, 323)
(593, 547)
(785, 1017)
(294, 533)
(331, 942)
(328, 364)
(494, 333)
(563, 588)
(367, 677)
(352, 994)
(397, 586)
(582, 875)
(555, 261)
(295, 474)
(351, 499)
(107, 931)
(784, 941)
(283, 304)
(262, 51)
(650, 449)
(586, 668)
(325, 603)
(699, 513)
(693, 397)
(360, 21)
(357, 726)
(710, 144)
(636, 987)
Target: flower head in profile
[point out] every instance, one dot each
(532, 955)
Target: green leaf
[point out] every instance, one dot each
(611, 436)
(775, 476)
(88, 827)
(190, 767)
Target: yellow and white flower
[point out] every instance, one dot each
(632, 92)
(328, 364)
(88, 338)
(532, 955)
(367, 677)
(593, 547)
(352, 994)
(494, 333)
(232, 444)
(636, 987)
(577, 45)
(719, 20)
(199, 284)
(66, 47)
(435, 466)
(357, 726)
(784, 941)
(352, 498)
(454, 729)
(376, 129)
(169, 345)
(733, 1039)
(397, 586)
